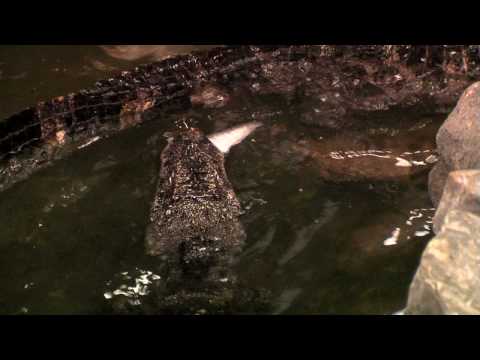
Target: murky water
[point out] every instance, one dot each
(32, 73)
(346, 240)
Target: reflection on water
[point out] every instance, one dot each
(307, 233)
(336, 222)
(150, 52)
(286, 299)
(140, 279)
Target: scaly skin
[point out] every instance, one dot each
(329, 85)
(194, 215)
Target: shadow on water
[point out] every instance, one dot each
(336, 222)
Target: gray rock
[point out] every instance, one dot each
(458, 140)
(447, 280)
(461, 192)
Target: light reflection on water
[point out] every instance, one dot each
(401, 160)
(418, 225)
(140, 280)
(307, 233)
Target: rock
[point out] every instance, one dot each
(461, 192)
(447, 280)
(458, 139)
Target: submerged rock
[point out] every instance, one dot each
(447, 280)
(458, 140)
(352, 156)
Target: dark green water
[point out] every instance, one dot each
(32, 73)
(71, 236)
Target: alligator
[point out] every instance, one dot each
(195, 210)
(194, 228)
(51, 129)
(330, 85)
(327, 85)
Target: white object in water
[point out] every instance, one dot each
(91, 141)
(224, 140)
(421, 233)
(418, 163)
(431, 159)
(392, 240)
(403, 163)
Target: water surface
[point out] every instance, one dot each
(335, 224)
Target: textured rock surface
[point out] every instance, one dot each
(458, 140)
(448, 281)
(461, 192)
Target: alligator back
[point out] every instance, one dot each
(195, 210)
